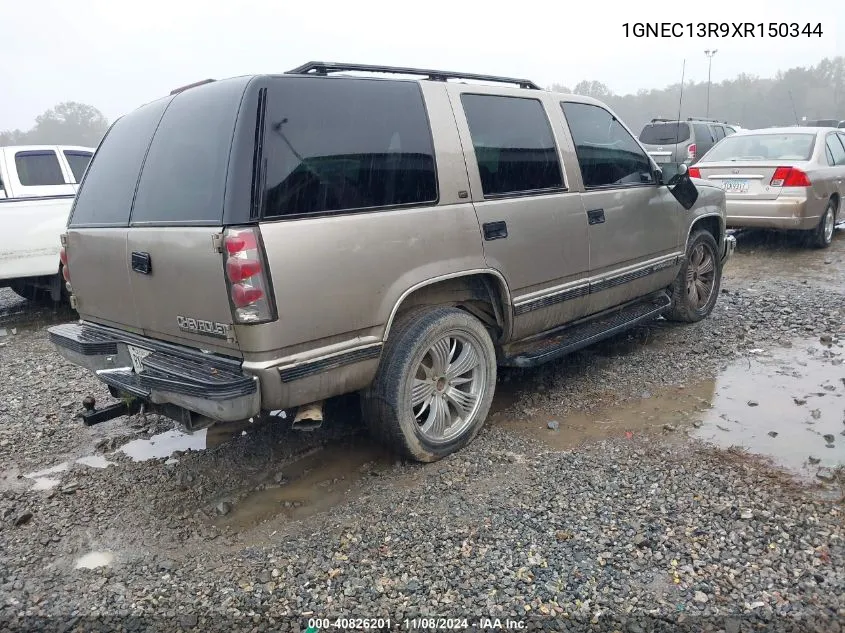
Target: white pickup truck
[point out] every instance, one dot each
(37, 187)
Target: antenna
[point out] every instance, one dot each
(794, 113)
(680, 103)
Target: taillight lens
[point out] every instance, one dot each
(789, 177)
(694, 172)
(247, 276)
(691, 151)
(65, 269)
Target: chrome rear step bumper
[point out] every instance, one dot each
(209, 385)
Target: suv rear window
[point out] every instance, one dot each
(664, 133)
(343, 144)
(184, 175)
(105, 198)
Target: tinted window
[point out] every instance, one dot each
(607, 154)
(513, 144)
(78, 161)
(39, 168)
(720, 132)
(836, 149)
(729, 130)
(763, 147)
(342, 144)
(105, 198)
(664, 133)
(184, 174)
(703, 136)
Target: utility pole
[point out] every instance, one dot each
(709, 54)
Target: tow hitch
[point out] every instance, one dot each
(91, 416)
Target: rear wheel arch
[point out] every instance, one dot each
(484, 294)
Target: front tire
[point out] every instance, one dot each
(696, 288)
(434, 385)
(822, 235)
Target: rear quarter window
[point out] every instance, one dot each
(336, 145)
(105, 198)
(78, 162)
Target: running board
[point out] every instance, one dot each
(561, 342)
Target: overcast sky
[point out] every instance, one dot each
(116, 55)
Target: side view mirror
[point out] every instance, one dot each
(676, 177)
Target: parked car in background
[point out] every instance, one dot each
(268, 242)
(824, 123)
(781, 178)
(37, 187)
(674, 141)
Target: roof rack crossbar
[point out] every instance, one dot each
(324, 68)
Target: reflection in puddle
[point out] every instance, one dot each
(95, 461)
(786, 404)
(312, 484)
(43, 480)
(165, 444)
(92, 560)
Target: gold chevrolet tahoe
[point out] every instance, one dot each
(269, 242)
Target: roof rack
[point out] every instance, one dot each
(324, 68)
(662, 120)
(701, 118)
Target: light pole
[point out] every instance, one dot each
(709, 54)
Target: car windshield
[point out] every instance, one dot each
(664, 133)
(762, 147)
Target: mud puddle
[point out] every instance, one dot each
(163, 445)
(786, 404)
(314, 483)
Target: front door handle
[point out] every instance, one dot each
(595, 216)
(495, 230)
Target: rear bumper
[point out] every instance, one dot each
(783, 213)
(208, 385)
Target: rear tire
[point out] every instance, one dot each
(696, 288)
(822, 235)
(434, 385)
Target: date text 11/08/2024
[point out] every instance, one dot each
(722, 29)
(415, 624)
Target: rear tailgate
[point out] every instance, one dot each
(743, 181)
(142, 250)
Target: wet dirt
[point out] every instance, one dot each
(789, 255)
(785, 404)
(313, 483)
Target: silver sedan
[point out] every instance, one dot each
(780, 178)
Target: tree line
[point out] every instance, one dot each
(813, 92)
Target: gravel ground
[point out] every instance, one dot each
(629, 534)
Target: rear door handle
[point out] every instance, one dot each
(495, 230)
(595, 216)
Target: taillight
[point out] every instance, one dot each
(63, 260)
(691, 151)
(246, 273)
(789, 177)
(694, 172)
